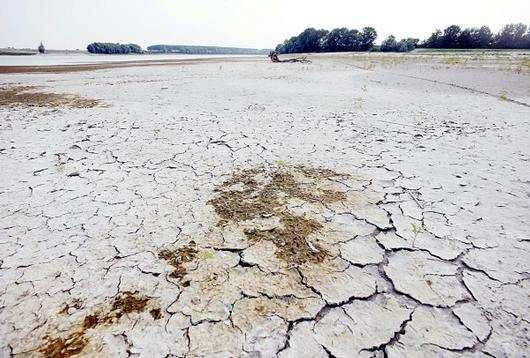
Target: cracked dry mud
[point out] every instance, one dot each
(250, 209)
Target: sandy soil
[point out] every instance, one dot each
(361, 205)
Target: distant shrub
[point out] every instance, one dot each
(390, 44)
(113, 48)
(408, 44)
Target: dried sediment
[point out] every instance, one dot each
(262, 193)
(32, 96)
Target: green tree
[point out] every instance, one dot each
(483, 37)
(451, 36)
(434, 41)
(511, 36)
(311, 40)
(389, 44)
(337, 40)
(368, 37)
(465, 39)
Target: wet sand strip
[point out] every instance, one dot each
(120, 64)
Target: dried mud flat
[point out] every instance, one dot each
(357, 206)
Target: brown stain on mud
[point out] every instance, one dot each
(263, 193)
(178, 258)
(75, 304)
(156, 313)
(31, 96)
(64, 347)
(76, 341)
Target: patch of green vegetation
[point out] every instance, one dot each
(206, 255)
(281, 163)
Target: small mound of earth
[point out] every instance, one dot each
(262, 194)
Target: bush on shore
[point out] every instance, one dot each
(113, 48)
(390, 44)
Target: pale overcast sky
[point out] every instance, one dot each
(73, 24)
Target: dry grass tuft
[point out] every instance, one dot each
(260, 193)
(29, 96)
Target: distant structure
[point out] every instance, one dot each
(41, 48)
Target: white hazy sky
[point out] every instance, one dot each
(70, 24)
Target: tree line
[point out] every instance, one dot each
(336, 40)
(204, 50)
(511, 36)
(113, 48)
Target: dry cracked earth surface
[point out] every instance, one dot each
(352, 207)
